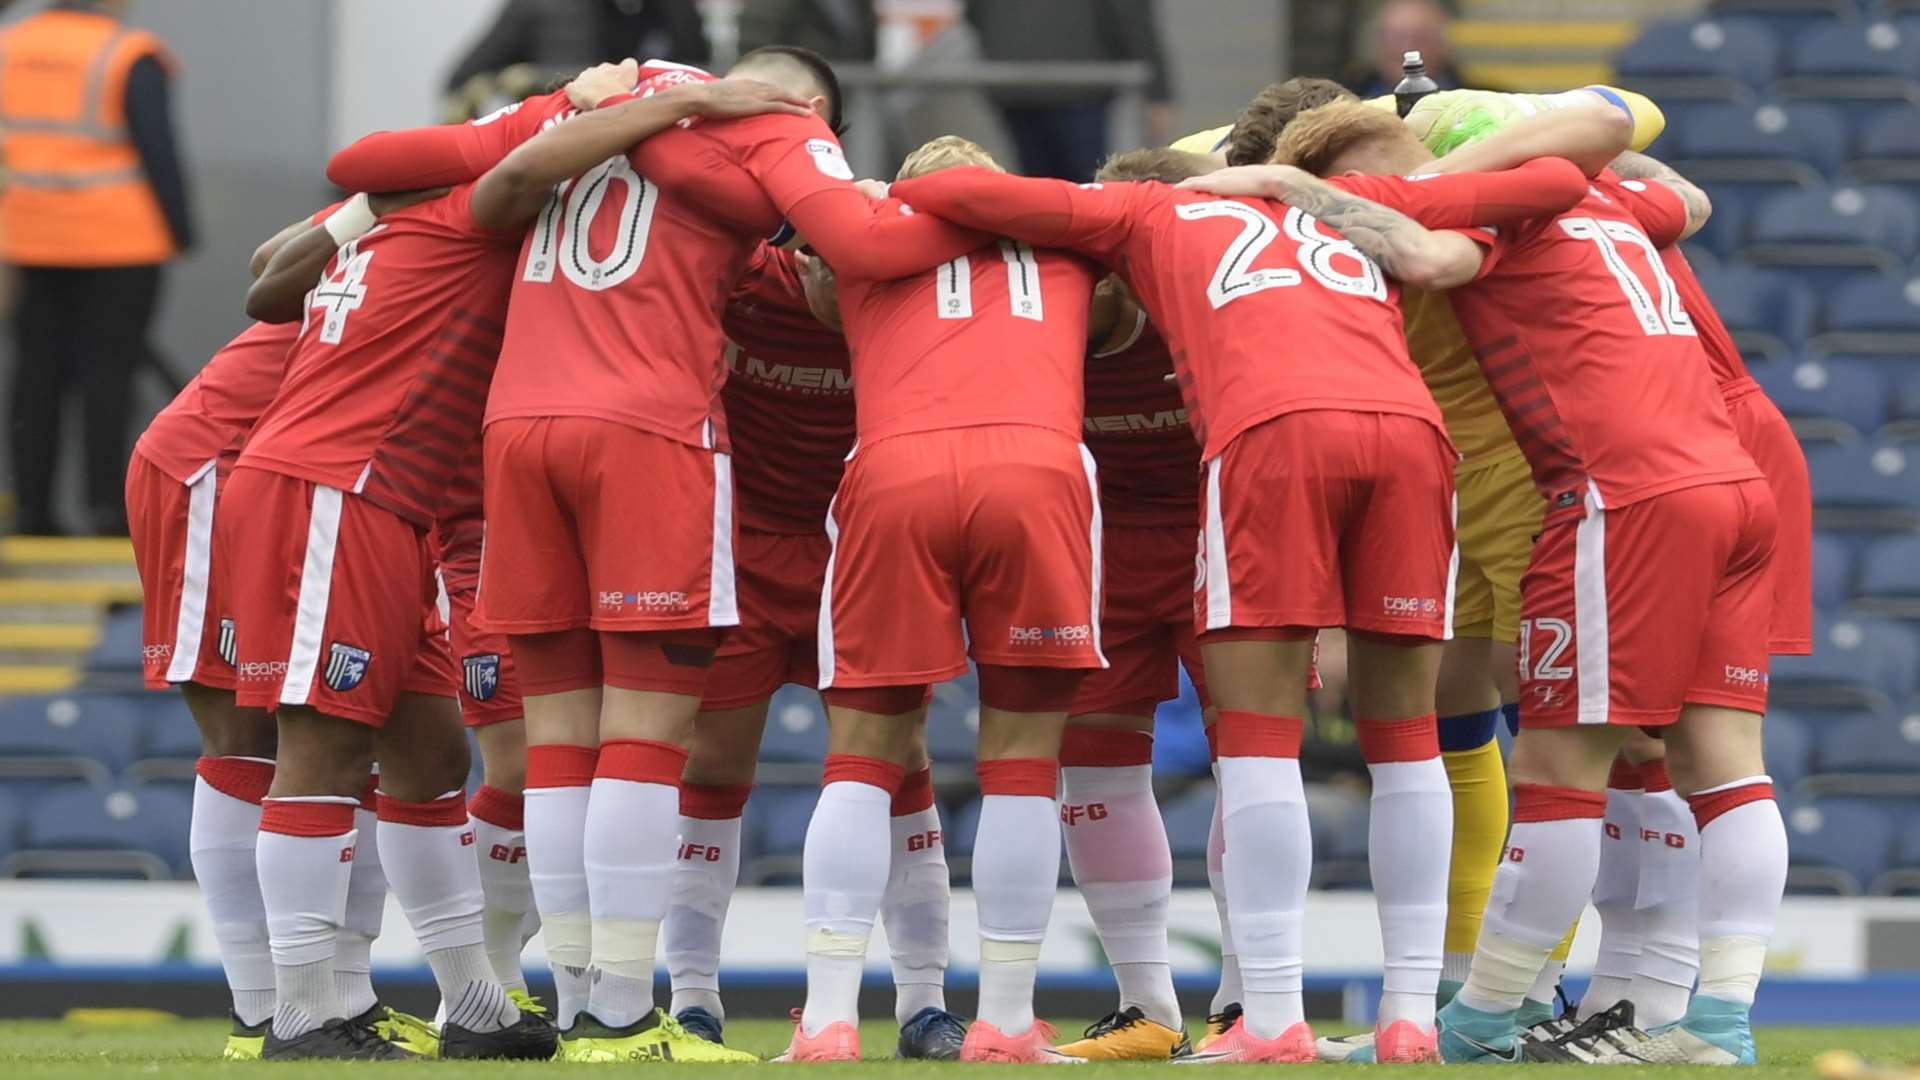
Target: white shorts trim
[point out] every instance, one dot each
(1593, 664)
(190, 626)
(723, 607)
(1093, 539)
(1453, 572)
(823, 636)
(1218, 579)
(316, 588)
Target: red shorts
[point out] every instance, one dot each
(1770, 439)
(596, 524)
(489, 690)
(329, 593)
(1329, 518)
(998, 525)
(186, 633)
(779, 578)
(1146, 628)
(1628, 614)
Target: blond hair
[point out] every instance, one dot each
(1319, 137)
(946, 152)
(1167, 166)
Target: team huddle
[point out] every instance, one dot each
(609, 414)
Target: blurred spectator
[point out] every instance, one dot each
(1401, 26)
(533, 41)
(1063, 133)
(836, 29)
(95, 204)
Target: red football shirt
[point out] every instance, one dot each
(1655, 200)
(789, 400)
(995, 336)
(211, 417)
(385, 386)
(1267, 312)
(1595, 362)
(1136, 428)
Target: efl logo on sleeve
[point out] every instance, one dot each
(829, 158)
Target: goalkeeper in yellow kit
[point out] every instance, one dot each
(1498, 514)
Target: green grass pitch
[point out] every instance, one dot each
(190, 1048)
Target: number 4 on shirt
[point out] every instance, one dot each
(341, 293)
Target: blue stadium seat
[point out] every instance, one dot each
(773, 832)
(1864, 477)
(1872, 313)
(1789, 749)
(1903, 402)
(1845, 843)
(1858, 65)
(1851, 394)
(167, 727)
(1872, 742)
(1771, 141)
(1829, 232)
(1765, 309)
(1726, 231)
(75, 729)
(953, 722)
(1890, 568)
(796, 727)
(10, 818)
(1856, 660)
(118, 650)
(962, 827)
(1189, 817)
(1832, 570)
(1887, 149)
(1712, 59)
(82, 828)
(1786, 18)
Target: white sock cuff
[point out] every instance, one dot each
(1731, 785)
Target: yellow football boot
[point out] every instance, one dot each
(1128, 1036)
(654, 1037)
(1219, 1023)
(244, 1042)
(404, 1030)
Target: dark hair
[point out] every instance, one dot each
(817, 66)
(1165, 165)
(1258, 128)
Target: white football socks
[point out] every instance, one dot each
(1409, 850)
(630, 871)
(366, 911)
(221, 839)
(843, 874)
(1117, 846)
(1016, 872)
(1542, 886)
(1668, 904)
(508, 919)
(1743, 873)
(558, 776)
(426, 848)
(1616, 891)
(914, 909)
(305, 855)
(1228, 991)
(703, 883)
(1268, 862)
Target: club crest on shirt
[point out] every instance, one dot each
(482, 675)
(346, 666)
(229, 642)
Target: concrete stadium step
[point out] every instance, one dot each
(37, 678)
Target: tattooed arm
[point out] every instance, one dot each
(1633, 165)
(1402, 246)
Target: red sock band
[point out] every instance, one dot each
(1029, 689)
(438, 814)
(246, 779)
(1653, 776)
(1213, 742)
(1539, 802)
(556, 663)
(854, 769)
(878, 700)
(915, 794)
(1626, 776)
(665, 663)
(1252, 734)
(1710, 805)
(552, 765)
(1105, 747)
(370, 794)
(714, 802)
(1384, 741)
(642, 761)
(289, 817)
(501, 809)
(1019, 776)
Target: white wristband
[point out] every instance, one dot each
(351, 221)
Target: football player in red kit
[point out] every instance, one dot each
(1327, 503)
(610, 371)
(968, 501)
(1600, 372)
(789, 407)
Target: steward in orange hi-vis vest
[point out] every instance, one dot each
(76, 193)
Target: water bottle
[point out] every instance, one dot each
(1415, 83)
